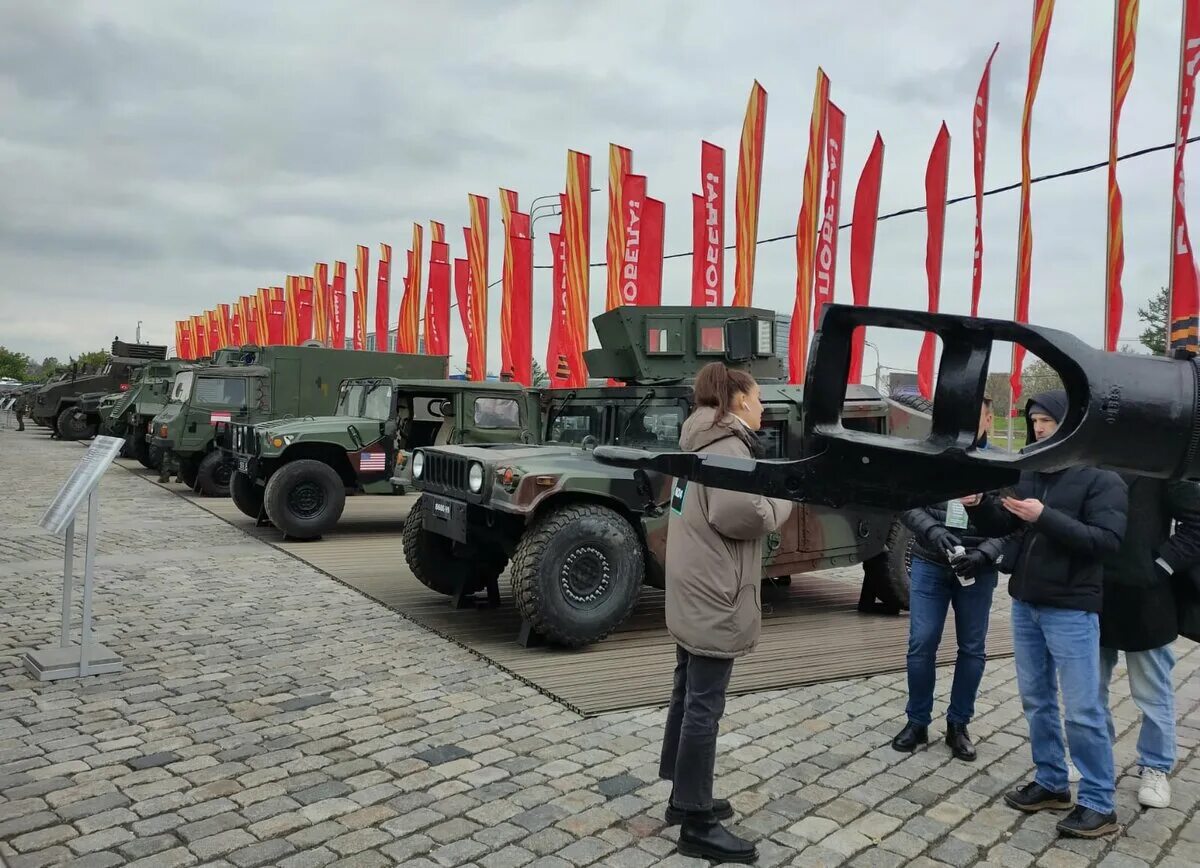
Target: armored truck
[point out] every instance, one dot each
(298, 472)
(264, 383)
(129, 414)
(579, 537)
(54, 404)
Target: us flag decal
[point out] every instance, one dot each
(219, 417)
(371, 461)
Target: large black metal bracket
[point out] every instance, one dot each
(1128, 412)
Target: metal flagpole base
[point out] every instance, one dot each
(52, 663)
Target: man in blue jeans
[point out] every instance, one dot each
(1140, 617)
(1067, 522)
(941, 578)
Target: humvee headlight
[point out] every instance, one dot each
(418, 464)
(277, 442)
(475, 478)
(162, 431)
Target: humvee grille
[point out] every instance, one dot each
(243, 439)
(447, 472)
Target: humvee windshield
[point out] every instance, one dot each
(378, 402)
(220, 391)
(350, 400)
(182, 387)
(497, 413)
(653, 426)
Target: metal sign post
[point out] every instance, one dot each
(69, 660)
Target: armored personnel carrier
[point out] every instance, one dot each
(579, 537)
(261, 383)
(297, 472)
(54, 404)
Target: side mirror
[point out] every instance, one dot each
(739, 339)
(447, 409)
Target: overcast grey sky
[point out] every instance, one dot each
(157, 158)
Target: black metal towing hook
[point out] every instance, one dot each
(1128, 412)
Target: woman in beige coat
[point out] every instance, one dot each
(713, 574)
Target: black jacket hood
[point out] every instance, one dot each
(1054, 403)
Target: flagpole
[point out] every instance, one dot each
(1175, 169)
(1112, 155)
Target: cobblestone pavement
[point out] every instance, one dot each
(268, 715)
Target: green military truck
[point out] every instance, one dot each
(263, 383)
(129, 414)
(580, 537)
(55, 403)
(298, 472)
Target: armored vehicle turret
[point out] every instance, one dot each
(580, 537)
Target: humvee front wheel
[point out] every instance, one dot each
(247, 496)
(72, 427)
(212, 475)
(305, 498)
(439, 566)
(887, 574)
(577, 573)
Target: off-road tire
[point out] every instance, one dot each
(554, 550)
(141, 449)
(127, 449)
(71, 428)
(890, 570)
(305, 498)
(189, 468)
(155, 456)
(213, 473)
(435, 563)
(247, 496)
(913, 401)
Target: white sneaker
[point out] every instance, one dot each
(1155, 791)
(1073, 774)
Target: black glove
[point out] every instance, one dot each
(940, 539)
(972, 563)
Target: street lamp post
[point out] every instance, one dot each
(878, 365)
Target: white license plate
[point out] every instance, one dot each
(243, 465)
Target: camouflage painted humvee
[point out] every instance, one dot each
(297, 472)
(581, 537)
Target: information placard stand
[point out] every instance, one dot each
(69, 660)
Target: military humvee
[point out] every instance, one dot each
(129, 414)
(298, 471)
(266, 383)
(54, 404)
(581, 537)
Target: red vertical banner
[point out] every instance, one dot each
(183, 339)
(633, 203)
(304, 310)
(508, 206)
(651, 270)
(337, 307)
(749, 194)
(199, 337)
(979, 123)
(620, 165)
(1043, 12)
(1124, 38)
(437, 302)
(937, 178)
(862, 246)
(277, 317)
(708, 230)
(362, 267)
(1184, 283)
(521, 305)
(249, 318)
(225, 320)
(263, 316)
(558, 353)
(383, 277)
(215, 341)
(577, 217)
(236, 331)
(408, 331)
(827, 237)
(320, 302)
(477, 286)
(462, 280)
(806, 232)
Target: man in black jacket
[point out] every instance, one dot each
(1141, 619)
(939, 580)
(1070, 521)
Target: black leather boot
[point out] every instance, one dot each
(909, 737)
(721, 810)
(703, 837)
(960, 742)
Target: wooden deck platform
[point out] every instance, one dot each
(811, 630)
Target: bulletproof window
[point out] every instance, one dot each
(182, 387)
(350, 400)
(710, 338)
(221, 391)
(378, 404)
(652, 426)
(773, 438)
(664, 336)
(576, 422)
(497, 413)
